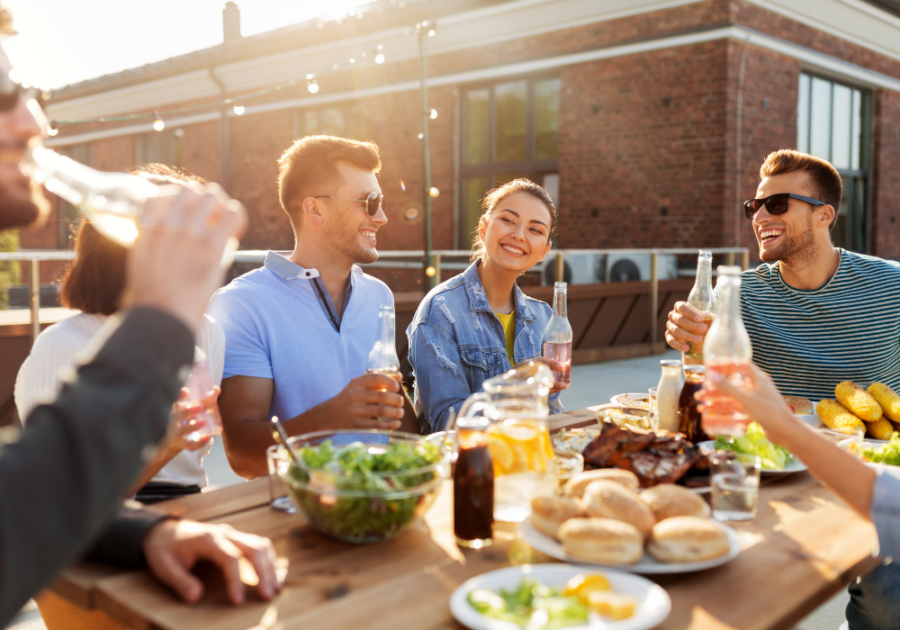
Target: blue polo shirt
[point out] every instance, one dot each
(280, 324)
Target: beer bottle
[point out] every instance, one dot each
(703, 298)
(383, 357)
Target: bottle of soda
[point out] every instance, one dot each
(473, 485)
(703, 298)
(558, 337)
(727, 352)
(383, 357)
(689, 421)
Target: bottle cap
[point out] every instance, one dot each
(670, 363)
(694, 369)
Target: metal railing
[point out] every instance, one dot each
(402, 259)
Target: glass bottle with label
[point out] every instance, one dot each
(383, 357)
(727, 352)
(558, 337)
(668, 392)
(703, 298)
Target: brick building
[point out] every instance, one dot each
(647, 119)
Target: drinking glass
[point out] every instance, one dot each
(735, 486)
(278, 465)
(198, 401)
(654, 414)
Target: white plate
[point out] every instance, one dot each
(794, 466)
(815, 422)
(633, 400)
(646, 566)
(654, 604)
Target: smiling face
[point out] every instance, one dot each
(21, 202)
(517, 234)
(792, 235)
(350, 231)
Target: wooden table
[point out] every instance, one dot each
(802, 548)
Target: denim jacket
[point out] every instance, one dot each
(456, 343)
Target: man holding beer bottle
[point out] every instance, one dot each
(816, 315)
(299, 330)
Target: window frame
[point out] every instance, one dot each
(531, 167)
(864, 172)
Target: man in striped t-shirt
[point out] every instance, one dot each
(817, 315)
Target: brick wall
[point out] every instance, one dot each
(886, 188)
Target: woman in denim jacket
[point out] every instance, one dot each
(479, 324)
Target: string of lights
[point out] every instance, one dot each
(376, 55)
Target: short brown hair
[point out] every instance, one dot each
(827, 182)
(309, 165)
(95, 281)
(494, 197)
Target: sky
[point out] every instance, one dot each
(66, 41)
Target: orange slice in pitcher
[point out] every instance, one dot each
(501, 455)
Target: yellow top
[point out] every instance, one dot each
(509, 330)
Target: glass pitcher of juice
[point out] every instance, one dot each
(515, 403)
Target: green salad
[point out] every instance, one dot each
(754, 442)
(363, 492)
(888, 454)
(532, 604)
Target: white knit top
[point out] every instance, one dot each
(65, 345)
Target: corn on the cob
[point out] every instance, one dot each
(888, 399)
(834, 416)
(880, 429)
(858, 401)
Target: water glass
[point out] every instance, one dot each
(198, 401)
(278, 465)
(735, 486)
(654, 392)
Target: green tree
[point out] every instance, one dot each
(10, 271)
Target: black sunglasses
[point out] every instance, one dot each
(10, 91)
(373, 201)
(776, 204)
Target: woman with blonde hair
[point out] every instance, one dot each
(480, 324)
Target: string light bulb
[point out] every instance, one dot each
(431, 33)
(433, 192)
(158, 123)
(239, 108)
(312, 86)
(52, 129)
(379, 58)
(433, 114)
(430, 271)
(421, 135)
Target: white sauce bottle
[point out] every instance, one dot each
(668, 391)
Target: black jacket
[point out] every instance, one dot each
(65, 476)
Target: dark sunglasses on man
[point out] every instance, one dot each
(776, 204)
(372, 202)
(10, 91)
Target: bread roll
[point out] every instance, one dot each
(687, 539)
(602, 540)
(668, 500)
(576, 485)
(548, 513)
(801, 405)
(607, 499)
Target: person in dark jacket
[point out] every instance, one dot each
(62, 480)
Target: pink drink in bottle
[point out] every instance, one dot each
(558, 337)
(727, 352)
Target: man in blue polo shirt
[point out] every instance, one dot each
(299, 330)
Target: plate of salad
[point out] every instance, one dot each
(555, 596)
(882, 452)
(776, 460)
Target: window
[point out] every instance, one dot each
(833, 122)
(345, 121)
(160, 147)
(69, 217)
(509, 130)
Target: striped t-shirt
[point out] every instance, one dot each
(847, 329)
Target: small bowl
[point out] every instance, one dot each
(625, 416)
(338, 507)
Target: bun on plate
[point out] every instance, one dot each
(602, 540)
(799, 404)
(576, 485)
(668, 500)
(687, 539)
(607, 499)
(548, 513)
